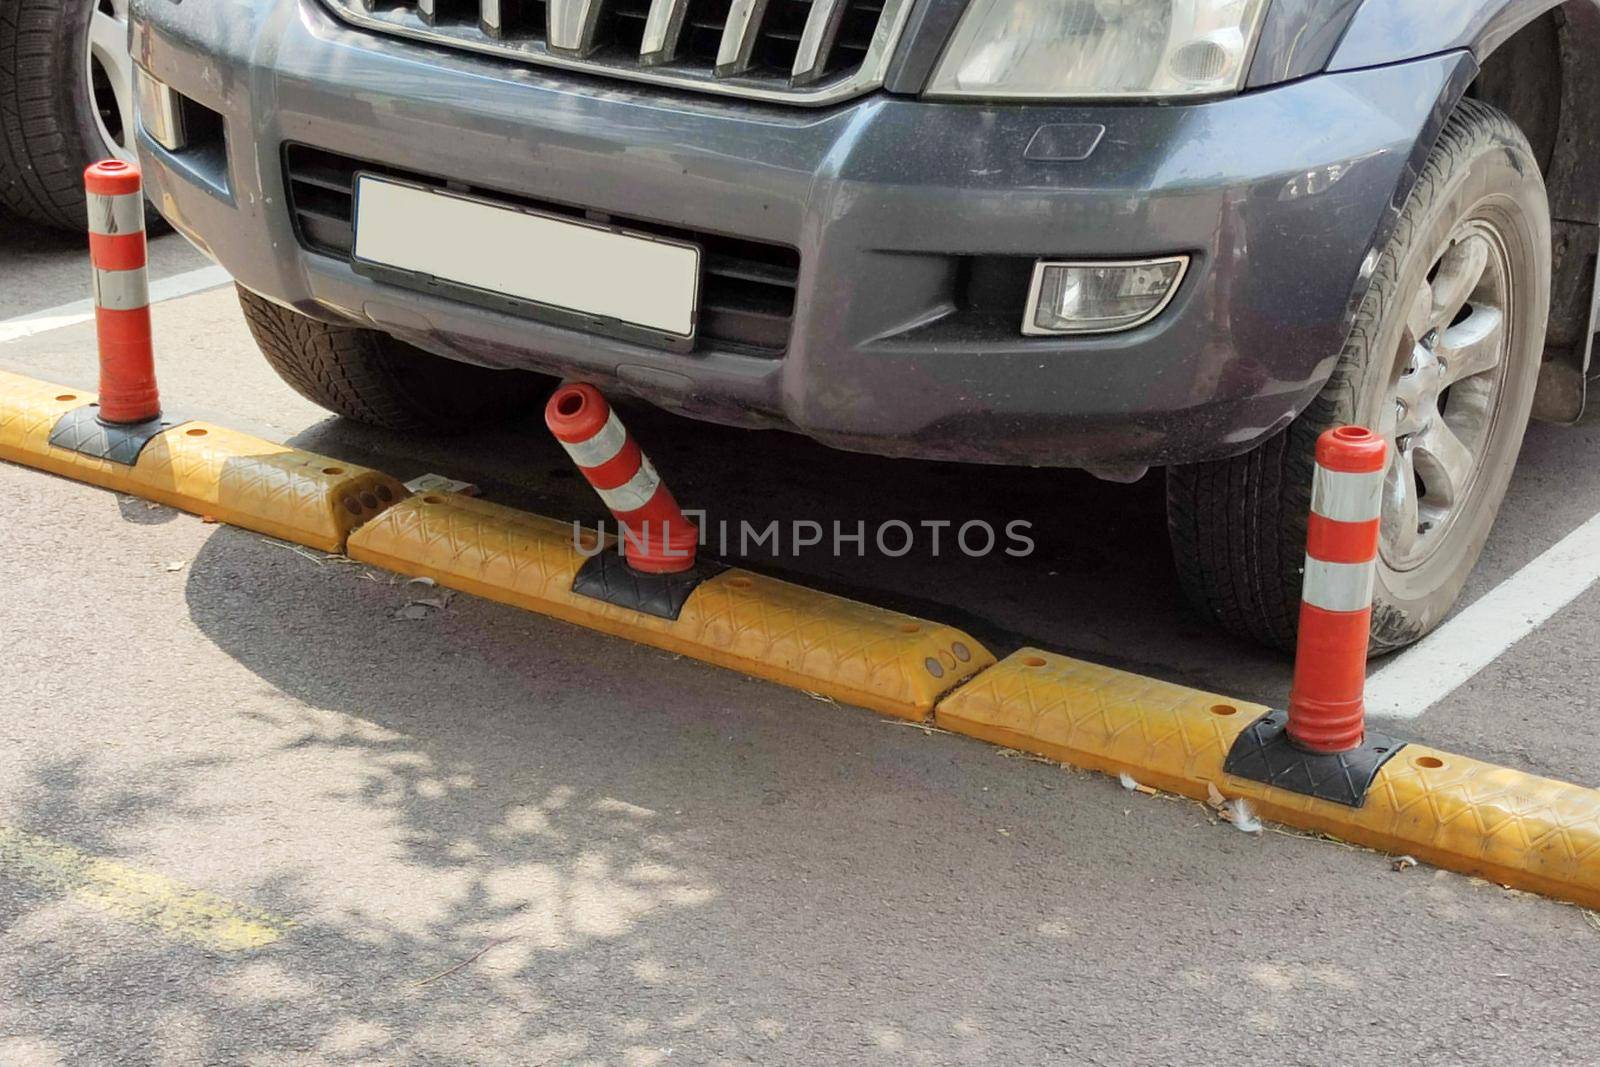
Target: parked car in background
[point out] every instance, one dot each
(66, 100)
(1106, 234)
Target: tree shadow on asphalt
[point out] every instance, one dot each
(551, 799)
(505, 839)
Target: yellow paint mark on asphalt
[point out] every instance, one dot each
(193, 915)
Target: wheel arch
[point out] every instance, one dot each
(1539, 62)
(1546, 77)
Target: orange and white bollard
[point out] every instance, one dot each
(1326, 709)
(656, 538)
(121, 293)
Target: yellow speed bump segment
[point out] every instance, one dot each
(206, 469)
(193, 915)
(883, 660)
(1509, 827)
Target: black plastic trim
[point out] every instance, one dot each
(608, 577)
(1264, 753)
(80, 430)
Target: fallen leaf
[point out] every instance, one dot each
(429, 582)
(173, 565)
(1214, 795)
(209, 519)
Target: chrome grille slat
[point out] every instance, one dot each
(807, 52)
(739, 35)
(491, 17)
(573, 25)
(816, 42)
(663, 30)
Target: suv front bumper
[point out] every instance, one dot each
(894, 205)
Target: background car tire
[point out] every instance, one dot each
(49, 129)
(372, 378)
(1238, 525)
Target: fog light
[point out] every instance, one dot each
(1100, 297)
(160, 111)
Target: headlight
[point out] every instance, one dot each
(1099, 48)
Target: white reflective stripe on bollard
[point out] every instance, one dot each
(113, 216)
(602, 448)
(1338, 586)
(1345, 497)
(121, 290)
(636, 492)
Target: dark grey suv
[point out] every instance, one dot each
(1109, 234)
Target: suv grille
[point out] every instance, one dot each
(747, 288)
(794, 51)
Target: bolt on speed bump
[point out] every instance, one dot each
(892, 663)
(201, 468)
(1512, 828)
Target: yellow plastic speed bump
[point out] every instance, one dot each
(879, 659)
(1509, 827)
(206, 469)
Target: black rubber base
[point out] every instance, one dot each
(80, 430)
(1264, 753)
(608, 577)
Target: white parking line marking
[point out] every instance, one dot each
(1449, 657)
(194, 281)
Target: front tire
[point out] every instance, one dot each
(66, 100)
(372, 378)
(1442, 361)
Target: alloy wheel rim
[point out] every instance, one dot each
(1444, 396)
(109, 70)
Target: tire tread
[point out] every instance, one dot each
(1238, 525)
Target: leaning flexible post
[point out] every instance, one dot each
(656, 537)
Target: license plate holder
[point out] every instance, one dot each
(567, 271)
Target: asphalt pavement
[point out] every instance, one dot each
(482, 836)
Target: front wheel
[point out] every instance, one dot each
(66, 100)
(372, 378)
(1442, 361)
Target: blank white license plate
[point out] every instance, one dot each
(588, 269)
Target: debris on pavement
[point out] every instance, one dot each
(1237, 811)
(1400, 863)
(421, 607)
(438, 483)
(1129, 784)
(448, 971)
